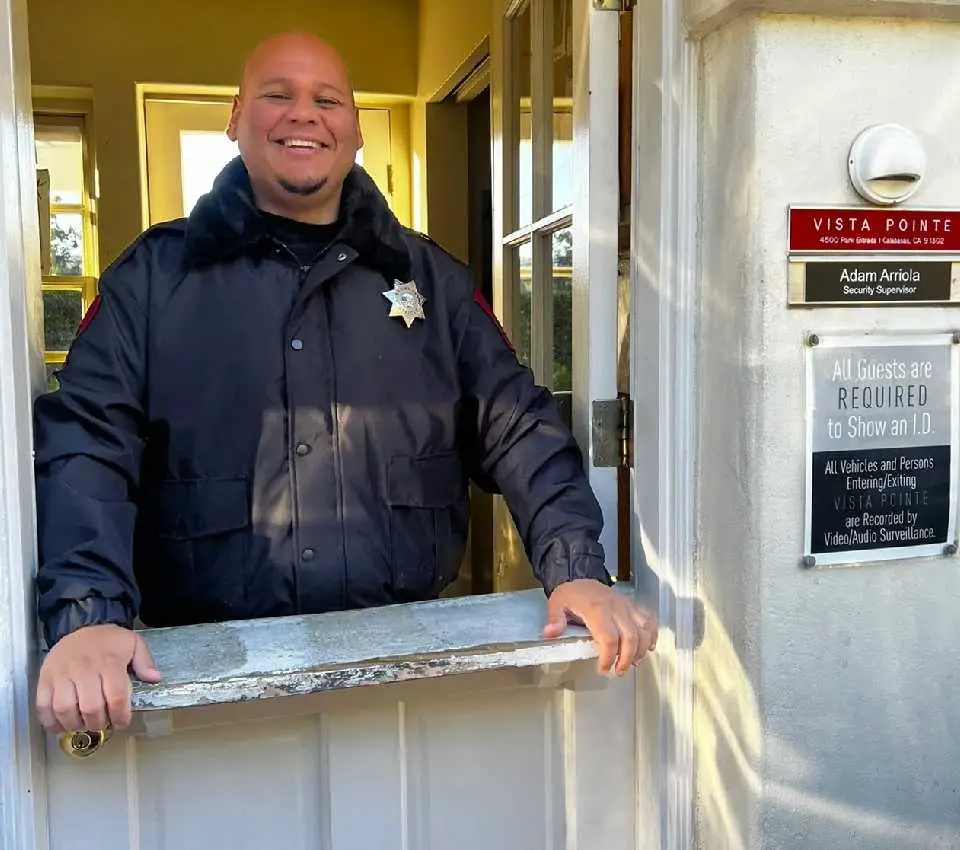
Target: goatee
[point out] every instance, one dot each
(303, 189)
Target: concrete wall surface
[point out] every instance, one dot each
(826, 698)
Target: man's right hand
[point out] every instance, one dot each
(84, 681)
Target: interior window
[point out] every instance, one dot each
(203, 153)
(541, 37)
(537, 236)
(68, 245)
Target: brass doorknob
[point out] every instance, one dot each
(82, 745)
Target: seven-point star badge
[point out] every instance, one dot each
(406, 300)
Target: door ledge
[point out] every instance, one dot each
(264, 659)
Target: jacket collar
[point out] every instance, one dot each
(226, 222)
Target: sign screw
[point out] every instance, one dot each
(813, 340)
(950, 549)
(808, 561)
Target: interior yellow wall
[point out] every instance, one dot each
(450, 33)
(109, 45)
(447, 171)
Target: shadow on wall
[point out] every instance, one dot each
(818, 801)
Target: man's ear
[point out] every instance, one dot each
(232, 124)
(359, 131)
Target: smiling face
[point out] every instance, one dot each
(297, 127)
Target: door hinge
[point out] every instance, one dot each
(613, 432)
(614, 5)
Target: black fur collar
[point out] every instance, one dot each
(226, 222)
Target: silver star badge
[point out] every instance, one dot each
(406, 300)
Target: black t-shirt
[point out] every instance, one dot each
(306, 241)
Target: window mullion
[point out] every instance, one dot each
(541, 103)
(509, 291)
(555, 221)
(541, 332)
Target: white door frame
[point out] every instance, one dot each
(595, 239)
(663, 327)
(664, 275)
(22, 786)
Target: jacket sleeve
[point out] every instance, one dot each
(88, 449)
(520, 443)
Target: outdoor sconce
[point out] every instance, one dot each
(887, 164)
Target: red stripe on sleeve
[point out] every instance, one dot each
(485, 306)
(89, 315)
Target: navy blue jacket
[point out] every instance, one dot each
(237, 436)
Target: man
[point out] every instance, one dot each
(274, 408)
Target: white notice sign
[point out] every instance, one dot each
(882, 434)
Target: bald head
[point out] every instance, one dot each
(276, 51)
(297, 126)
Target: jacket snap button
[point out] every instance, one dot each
(296, 344)
(303, 449)
(307, 554)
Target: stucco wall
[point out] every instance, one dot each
(731, 391)
(826, 698)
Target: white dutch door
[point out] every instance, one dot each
(444, 725)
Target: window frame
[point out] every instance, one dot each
(543, 106)
(87, 289)
(73, 107)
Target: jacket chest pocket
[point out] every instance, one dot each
(429, 515)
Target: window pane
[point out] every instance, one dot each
(52, 383)
(60, 151)
(525, 277)
(525, 174)
(559, 87)
(563, 168)
(62, 312)
(562, 104)
(203, 154)
(523, 57)
(66, 243)
(563, 310)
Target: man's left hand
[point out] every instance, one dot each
(623, 631)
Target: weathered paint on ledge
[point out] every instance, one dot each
(262, 659)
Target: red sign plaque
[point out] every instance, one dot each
(850, 230)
